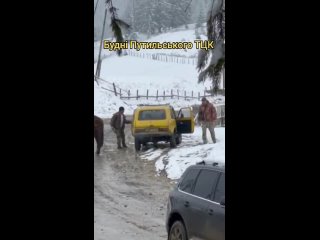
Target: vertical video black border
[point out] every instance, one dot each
(247, 124)
(51, 191)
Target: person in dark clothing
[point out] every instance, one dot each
(207, 116)
(117, 123)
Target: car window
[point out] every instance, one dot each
(152, 115)
(219, 194)
(188, 180)
(206, 181)
(184, 113)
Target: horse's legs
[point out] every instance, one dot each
(98, 135)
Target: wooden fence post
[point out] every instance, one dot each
(157, 94)
(114, 88)
(185, 95)
(171, 94)
(164, 95)
(129, 94)
(137, 94)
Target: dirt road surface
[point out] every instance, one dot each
(130, 199)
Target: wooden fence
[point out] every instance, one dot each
(162, 95)
(174, 94)
(162, 57)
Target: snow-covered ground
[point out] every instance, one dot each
(130, 73)
(189, 152)
(104, 52)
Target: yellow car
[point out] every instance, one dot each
(154, 123)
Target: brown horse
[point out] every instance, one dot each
(98, 132)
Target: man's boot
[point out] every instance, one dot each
(119, 145)
(119, 142)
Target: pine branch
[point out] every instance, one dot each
(202, 59)
(122, 23)
(112, 10)
(116, 24)
(207, 73)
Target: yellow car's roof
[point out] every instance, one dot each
(155, 107)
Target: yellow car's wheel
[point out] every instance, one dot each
(137, 144)
(173, 142)
(179, 139)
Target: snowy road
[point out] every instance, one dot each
(129, 199)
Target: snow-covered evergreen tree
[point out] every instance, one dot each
(211, 63)
(178, 13)
(201, 18)
(155, 16)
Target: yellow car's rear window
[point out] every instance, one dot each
(152, 115)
